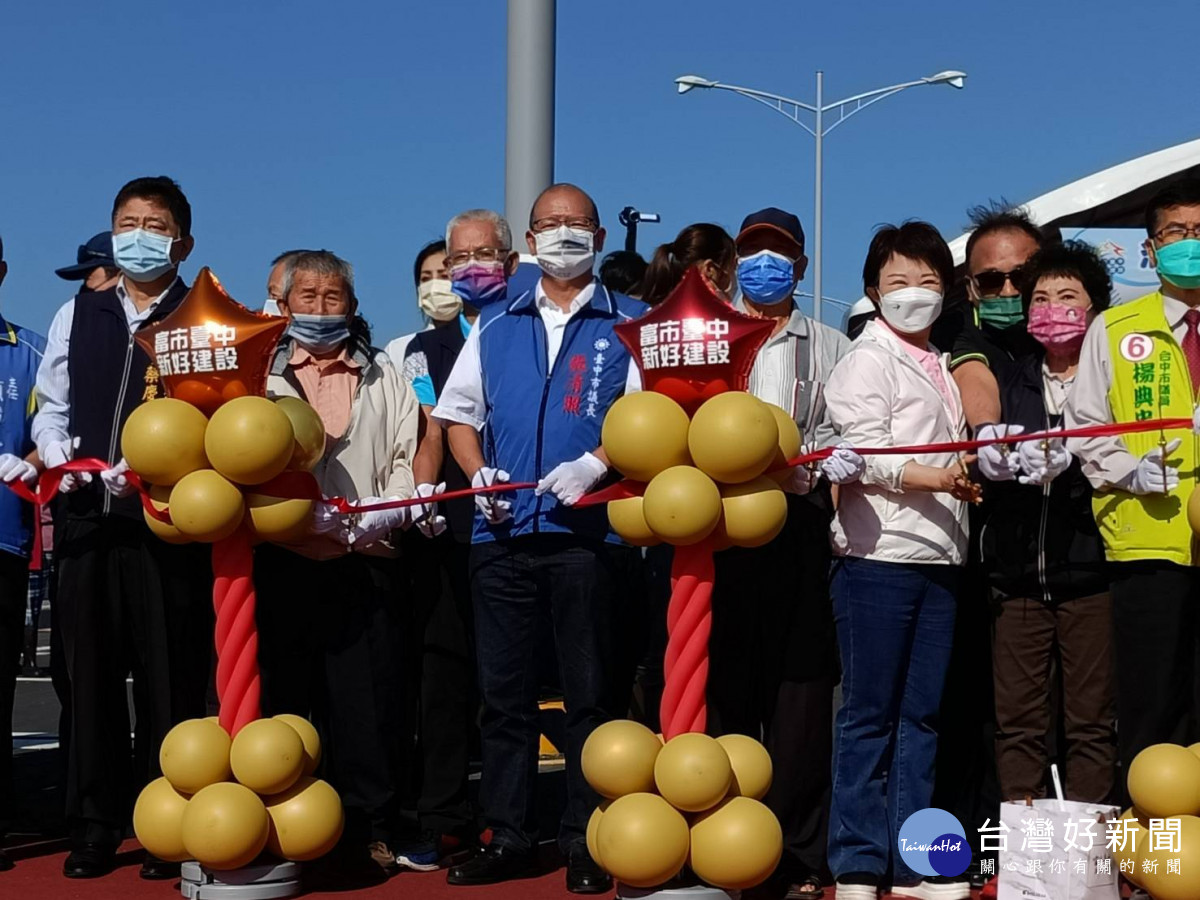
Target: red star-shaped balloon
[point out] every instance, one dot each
(212, 349)
(694, 345)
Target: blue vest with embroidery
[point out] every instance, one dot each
(540, 416)
(21, 353)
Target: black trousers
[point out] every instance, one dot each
(448, 697)
(329, 638)
(129, 605)
(14, 587)
(1156, 623)
(515, 583)
(772, 670)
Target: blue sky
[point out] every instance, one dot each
(363, 126)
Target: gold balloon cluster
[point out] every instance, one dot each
(197, 467)
(1164, 783)
(705, 476)
(692, 801)
(222, 801)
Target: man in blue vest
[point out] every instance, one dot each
(20, 353)
(129, 603)
(525, 402)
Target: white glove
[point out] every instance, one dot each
(1041, 466)
(569, 481)
(13, 468)
(495, 510)
(1196, 420)
(327, 520)
(59, 452)
(425, 516)
(376, 524)
(843, 465)
(1147, 478)
(797, 480)
(996, 461)
(116, 482)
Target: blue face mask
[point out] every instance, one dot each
(766, 277)
(1179, 263)
(319, 334)
(142, 255)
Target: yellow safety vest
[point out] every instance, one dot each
(1150, 380)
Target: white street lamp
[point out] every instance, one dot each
(845, 108)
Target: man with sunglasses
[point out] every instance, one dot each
(1141, 360)
(527, 396)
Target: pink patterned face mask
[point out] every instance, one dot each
(1058, 327)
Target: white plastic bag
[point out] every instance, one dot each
(1056, 850)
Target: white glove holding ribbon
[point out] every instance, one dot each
(1042, 465)
(569, 481)
(843, 465)
(996, 461)
(327, 520)
(59, 452)
(116, 482)
(798, 480)
(495, 509)
(1151, 476)
(1196, 420)
(374, 525)
(13, 468)
(425, 516)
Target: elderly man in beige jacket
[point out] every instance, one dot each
(330, 605)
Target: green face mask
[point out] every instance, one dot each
(1002, 312)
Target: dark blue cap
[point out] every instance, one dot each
(775, 219)
(95, 253)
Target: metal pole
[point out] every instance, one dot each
(817, 213)
(529, 142)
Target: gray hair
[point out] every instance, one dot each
(498, 222)
(320, 262)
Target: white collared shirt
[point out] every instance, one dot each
(52, 423)
(462, 401)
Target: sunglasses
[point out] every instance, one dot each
(991, 283)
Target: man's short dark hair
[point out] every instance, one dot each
(438, 246)
(912, 240)
(996, 216)
(162, 190)
(622, 271)
(1070, 259)
(1184, 192)
(561, 186)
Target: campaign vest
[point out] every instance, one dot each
(109, 374)
(1150, 379)
(20, 355)
(539, 416)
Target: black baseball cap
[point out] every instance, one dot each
(775, 219)
(95, 253)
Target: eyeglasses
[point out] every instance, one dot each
(991, 283)
(1172, 233)
(482, 254)
(547, 223)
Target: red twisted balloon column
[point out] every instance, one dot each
(689, 624)
(238, 685)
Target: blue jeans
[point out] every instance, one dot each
(895, 626)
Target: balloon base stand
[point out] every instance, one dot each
(694, 892)
(261, 882)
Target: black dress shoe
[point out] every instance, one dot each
(491, 865)
(584, 876)
(90, 861)
(155, 869)
(6, 862)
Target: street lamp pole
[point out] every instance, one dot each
(845, 109)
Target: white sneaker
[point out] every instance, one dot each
(935, 890)
(855, 891)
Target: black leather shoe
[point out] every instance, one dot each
(491, 865)
(584, 876)
(6, 862)
(155, 869)
(90, 861)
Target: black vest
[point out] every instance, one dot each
(109, 375)
(441, 347)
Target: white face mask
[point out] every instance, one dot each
(564, 252)
(437, 300)
(910, 310)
